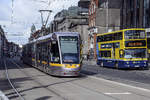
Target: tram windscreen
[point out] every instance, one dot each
(69, 49)
(135, 34)
(135, 53)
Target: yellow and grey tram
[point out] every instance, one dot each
(56, 54)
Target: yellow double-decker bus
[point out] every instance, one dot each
(122, 49)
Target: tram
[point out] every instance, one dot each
(123, 49)
(57, 54)
(148, 45)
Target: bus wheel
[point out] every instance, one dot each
(146, 68)
(46, 69)
(116, 65)
(102, 65)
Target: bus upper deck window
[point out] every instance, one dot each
(135, 34)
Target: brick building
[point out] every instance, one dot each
(104, 16)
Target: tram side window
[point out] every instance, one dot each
(55, 52)
(33, 51)
(49, 51)
(39, 52)
(45, 51)
(29, 51)
(105, 53)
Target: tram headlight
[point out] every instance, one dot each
(77, 65)
(64, 65)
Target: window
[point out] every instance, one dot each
(110, 37)
(117, 45)
(55, 56)
(135, 53)
(69, 49)
(135, 34)
(118, 36)
(105, 53)
(108, 45)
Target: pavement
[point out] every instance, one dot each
(33, 84)
(90, 62)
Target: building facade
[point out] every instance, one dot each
(81, 27)
(84, 3)
(3, 43)
(132, 14)
(75, 19)
(104, 16)
(135, 14)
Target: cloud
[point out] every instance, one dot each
(25, 13)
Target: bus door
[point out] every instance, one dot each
(115, 50)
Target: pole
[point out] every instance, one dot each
(41, 11)
(12, 11)
(107, 16)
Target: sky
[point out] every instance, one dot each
(17, 20)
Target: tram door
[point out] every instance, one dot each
(55, 55)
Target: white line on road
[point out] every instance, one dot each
(2, 96)
(125, 93)
(121, 84)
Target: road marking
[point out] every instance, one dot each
(121, 84)
(125, 93)
(2, 96)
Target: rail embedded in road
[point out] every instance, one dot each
(8, 78)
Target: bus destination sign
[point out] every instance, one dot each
(139, 43)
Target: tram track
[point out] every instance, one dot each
(87, 88)
(48, 89)
(11, 83)
(75, 84)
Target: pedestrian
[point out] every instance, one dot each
(88, 56)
